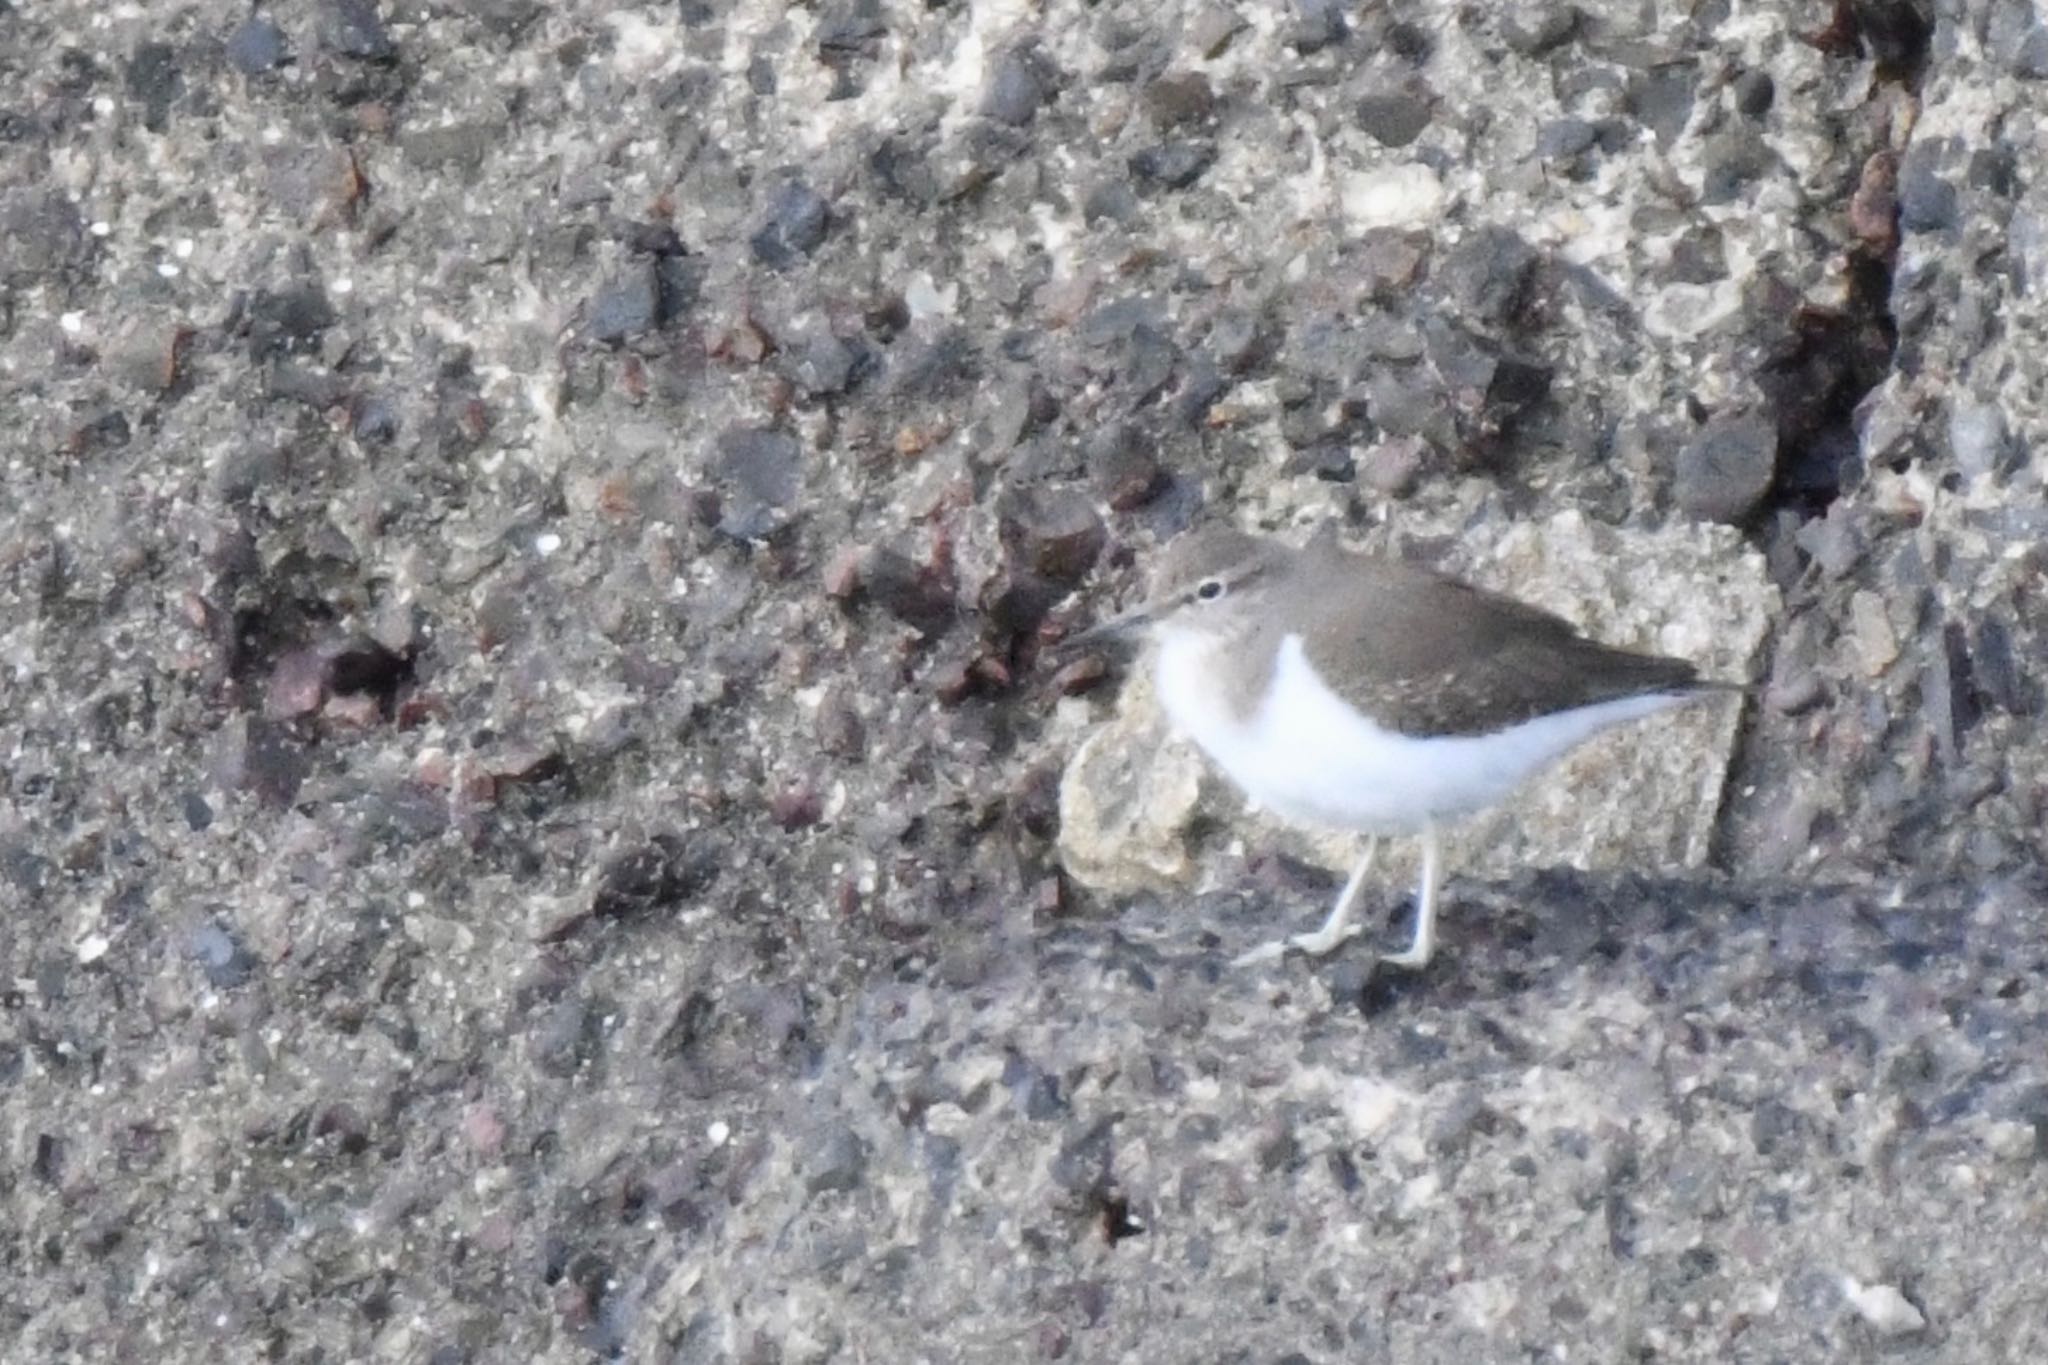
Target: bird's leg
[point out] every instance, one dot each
(1336, 928)
(1423, 945)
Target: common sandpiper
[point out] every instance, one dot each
(1360, 693)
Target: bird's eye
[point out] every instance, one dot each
(1209, 589)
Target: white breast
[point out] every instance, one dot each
(1307, 756)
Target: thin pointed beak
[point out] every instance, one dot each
(1115, 628)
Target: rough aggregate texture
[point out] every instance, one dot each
(530, 772)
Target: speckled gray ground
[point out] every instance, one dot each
(528, 774)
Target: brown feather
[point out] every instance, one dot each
(1422, 653)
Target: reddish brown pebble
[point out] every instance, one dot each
(572, 1305)
(1079, 675)
(475, 787)
(797, 807)
(474, 419)
(633, 380)
(483, 1128)
(416, 711)
(843, 572)
(615, 499)
(993, 671)
(174, 357)
(358, 710)
(742, 344)
(953, 682)
(1874, 207)
(297, 685)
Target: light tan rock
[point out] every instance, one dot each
(1643, 796)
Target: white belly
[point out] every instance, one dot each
(1307, 756)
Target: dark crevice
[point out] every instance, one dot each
(1113, 1213)
(1817, 373)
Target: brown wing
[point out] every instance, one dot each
(1436, 656)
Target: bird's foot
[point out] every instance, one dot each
(1415, 956)
(1321, 943)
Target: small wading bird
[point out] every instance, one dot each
(1361, 693)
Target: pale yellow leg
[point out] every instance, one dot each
(1337, 928)
(1422, 946)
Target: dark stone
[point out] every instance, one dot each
(198, 815)
(1724, 472)
(628, 305)
(1015, 601)
(763, 472)
(155, 80)
(258, 757)
(1700, 256)
(1409, 41)
(914, 594)
(1022, 407)
(1994, 170)
(1121, 318)
(851, 27)
(256, 47)
(1122, 467)
(41, 233)
(1333, 463)
(659, 874)
(1565, 139)
(794, 227)
(317, 389)
(1111, 199)
(761, 76)
(1898, 36)
(1533, 30)
(1731, 162)
(287, 320)
(1240, 340)
(1201, 387)
(108, 431)
(1052, 531)
(1661, 98)
(567, 1037)
(681, 279)
(376, 421)
(1997, 672)
(1754, 93)
(220, 955)
(836, 1163)
(354, 29)
(1927, 202)
(841, 732)
(818, 363)
(1394, 119)
(1777, 1129)
(1490, 276)
(1175, 164)
(1016, 89)
(1317, 25)
(1174, 102)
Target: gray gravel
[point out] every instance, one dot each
(529, 771)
